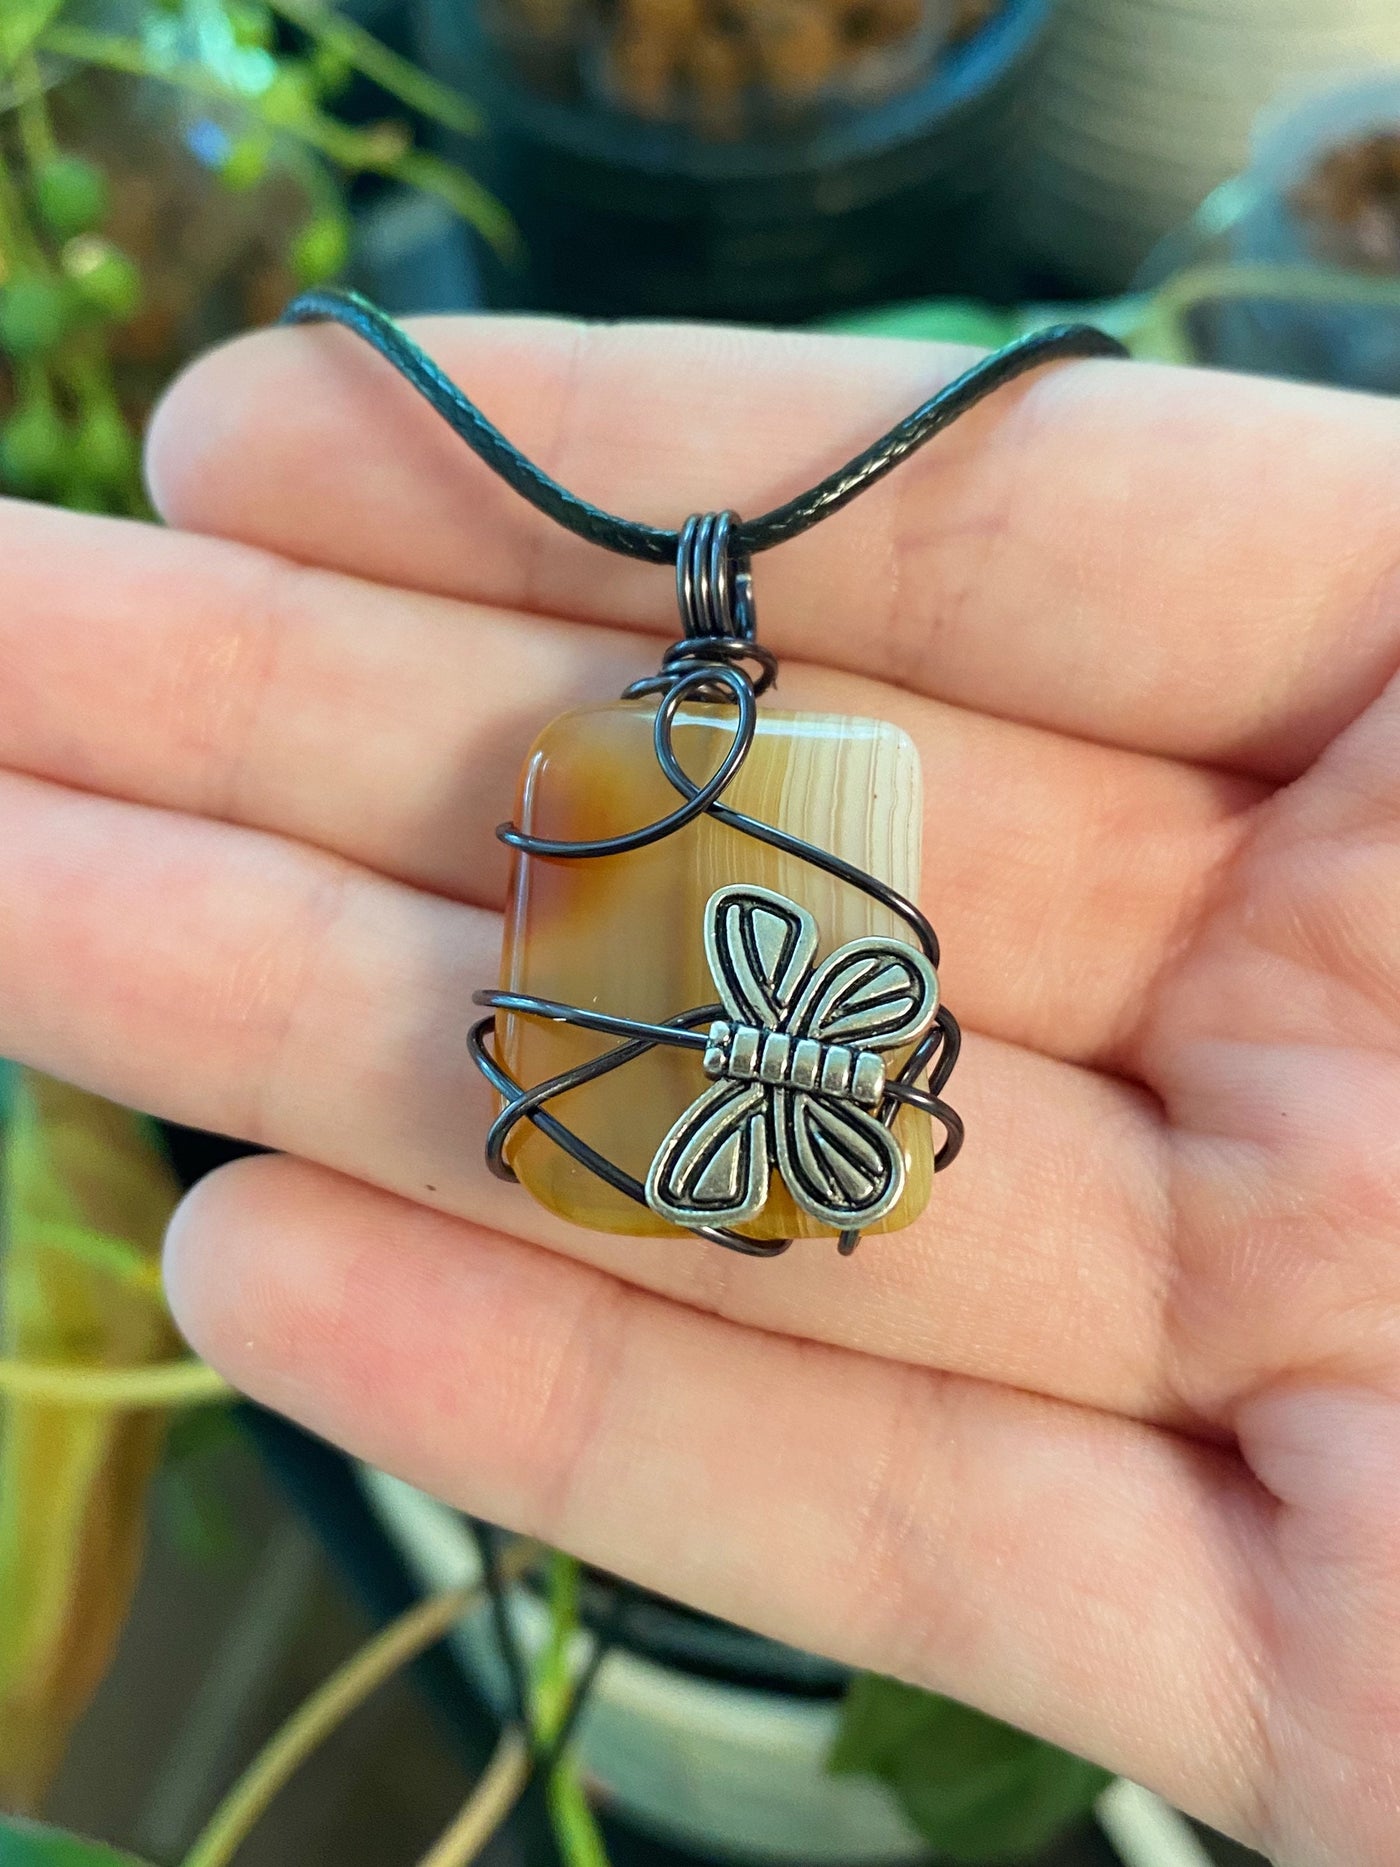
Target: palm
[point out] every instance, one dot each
(1107, 1443)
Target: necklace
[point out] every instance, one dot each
(718, 1010)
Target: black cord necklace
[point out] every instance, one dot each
(772, 1111)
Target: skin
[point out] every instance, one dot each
(1108, 1443)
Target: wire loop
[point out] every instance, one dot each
(682, 685)
(690, 655)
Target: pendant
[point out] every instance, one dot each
(718, 1009)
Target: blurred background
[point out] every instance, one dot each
(219, 1638)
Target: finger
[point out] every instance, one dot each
(220, 680)
(1188, 563)
(1275, 1049)
(230, 980)
(1080, 1575)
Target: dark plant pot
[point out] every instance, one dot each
(1354, 345)
(862, 205)
(670, 1634)
(710, 1738)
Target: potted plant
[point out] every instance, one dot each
(769, 161)
(169, 174)
(741, 1749)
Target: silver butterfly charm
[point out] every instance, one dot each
(799, 1067)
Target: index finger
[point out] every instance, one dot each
(1186, 563)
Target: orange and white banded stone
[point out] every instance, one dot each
(624, 934)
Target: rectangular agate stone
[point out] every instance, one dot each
(624, 933)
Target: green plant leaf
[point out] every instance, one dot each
(26, 1844)
(73, 1479)
(71, 194)
(937, 321)
(976, 1789)
(21, 22)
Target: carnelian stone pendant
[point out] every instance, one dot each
(644, 935)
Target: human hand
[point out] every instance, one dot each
(1109, 1442)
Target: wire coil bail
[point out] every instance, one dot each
(714, 581)
(714, 589)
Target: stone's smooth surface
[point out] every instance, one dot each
(624, 934)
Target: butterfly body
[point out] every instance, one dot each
(748, 1053)
(799, 1071)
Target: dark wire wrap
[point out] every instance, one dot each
(934, 1056)
(718, 660)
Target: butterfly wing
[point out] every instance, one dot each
(839, 1163)
(712, 1168)
(760, 947)
(870, 994)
